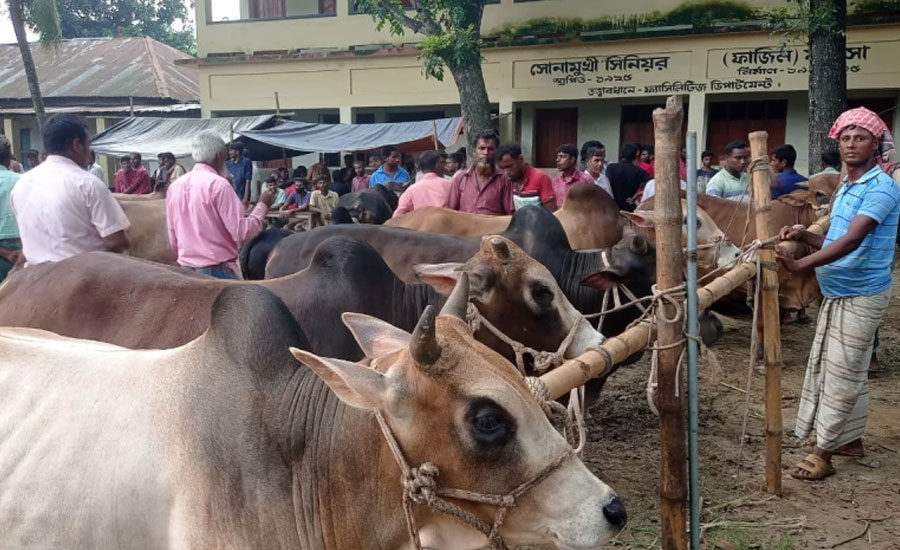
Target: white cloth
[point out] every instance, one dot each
(63, 210)
(603, 183)
(97, 170)
(650, 189)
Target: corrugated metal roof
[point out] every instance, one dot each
(116, 110)
(138, 67)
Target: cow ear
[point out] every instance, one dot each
(374, 336)
(441, 277)
(640, 220)
(356, 385)
(603, 280)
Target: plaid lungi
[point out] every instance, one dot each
(835, 397)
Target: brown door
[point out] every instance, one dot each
(552, 128)
(734, 120)
(637, 124)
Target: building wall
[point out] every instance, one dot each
(344, 29)
(598, 78)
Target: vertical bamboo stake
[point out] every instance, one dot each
(771, 322)
(673, 476)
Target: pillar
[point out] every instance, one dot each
(507, 120)
(108, 164)
(528, 132)
(697, 119)
(11, 128)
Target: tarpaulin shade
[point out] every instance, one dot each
(150, 136)
(334, 138)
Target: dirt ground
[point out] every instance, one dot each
(623, 450)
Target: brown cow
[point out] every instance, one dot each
(589, 217)
(822, 188)
(148, 233)
(795, 291)
(240, 440)
(138, 304)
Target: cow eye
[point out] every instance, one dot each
(489, 424)
(541, 293)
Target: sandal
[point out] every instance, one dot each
(845, 450)
(812, 468)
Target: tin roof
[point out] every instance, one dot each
(94, 70)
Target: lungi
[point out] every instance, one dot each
(835, 397)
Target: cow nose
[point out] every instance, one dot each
(727, 239)
(615, 513)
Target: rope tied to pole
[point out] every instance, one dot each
(542, 360)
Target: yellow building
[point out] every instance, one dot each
(329, 64)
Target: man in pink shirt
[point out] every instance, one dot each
(205, 217)
(569, 174)
(432, 190)
(482, 188)
(360, 178)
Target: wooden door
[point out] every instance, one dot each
(734, 120)
(552, 128)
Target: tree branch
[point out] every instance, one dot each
(426, 19)
(407, 21)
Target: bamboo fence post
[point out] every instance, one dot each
(670, 327)
(761, 179)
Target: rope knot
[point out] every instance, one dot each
(421, 483)
(473, 318)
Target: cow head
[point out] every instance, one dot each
(714, 248)
(518, 295)
(451, 401)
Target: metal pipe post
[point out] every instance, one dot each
(693, 347)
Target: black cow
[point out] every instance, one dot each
(255, 252)
(375, 205)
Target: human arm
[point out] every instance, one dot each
(116, 242)
(800, 234)
(10, 255)
(603, 183)
(141, 181)
(545, 190)
(860, 226)
(404, 205)
(106, 215)
(241, 227)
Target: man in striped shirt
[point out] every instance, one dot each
(853, 267)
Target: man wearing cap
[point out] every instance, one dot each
(853, 267)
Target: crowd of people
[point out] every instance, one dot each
(59, 207)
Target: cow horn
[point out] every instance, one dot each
(501, 249)
(423, 345)
(458, 302)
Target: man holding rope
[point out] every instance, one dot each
(853, 267)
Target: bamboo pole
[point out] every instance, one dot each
(670, 327)
(761, 179)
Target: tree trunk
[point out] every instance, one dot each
(16, 15)
(827, 73)
(473, 100)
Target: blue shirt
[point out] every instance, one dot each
(241, 171)
(380, 177)
(866, 270)
(788, 182)
(8, 227)
(298, 200)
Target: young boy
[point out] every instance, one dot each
(280, 197)
(322, 202)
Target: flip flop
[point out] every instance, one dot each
(840, 451)
(816, 467)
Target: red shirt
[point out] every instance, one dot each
(647, 167)
(133, 182)
(494, 199)
(537, 184)
(360, 183)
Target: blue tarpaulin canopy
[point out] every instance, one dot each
(334, 138)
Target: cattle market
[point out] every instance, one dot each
(405, 335)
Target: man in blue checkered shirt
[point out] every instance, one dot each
(853, 267)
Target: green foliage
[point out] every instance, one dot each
(45, 18)
(113, 18)
(450, 29)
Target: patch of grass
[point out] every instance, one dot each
(732, 538)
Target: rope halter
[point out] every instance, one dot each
(420, 486)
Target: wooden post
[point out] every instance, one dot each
(670, 401)
(771, 322)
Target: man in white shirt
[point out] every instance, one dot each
(61, 208)
(595, 163)
(96, 169)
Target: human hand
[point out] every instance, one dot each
(791, 233)
(267, 197)
(787, 260)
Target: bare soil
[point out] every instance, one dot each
(623, 450)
